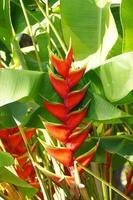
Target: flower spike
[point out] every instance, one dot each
(67, 131)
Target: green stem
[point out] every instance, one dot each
(28, 11)
(47, 13)
(31, 34)
(128, 127)
(104, 188)
(56, 166)
(52, 27)
(105, 183)
(81, 187)
(55, 46)
(96, 189)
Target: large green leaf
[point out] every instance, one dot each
(8, 177)
(17, 84)
(5, 159)
(5, 23)
(127, 19)
(102, 110)
(21, 111)
(90, 25)
(121, 145)
(117, 76)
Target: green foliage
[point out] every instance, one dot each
(90, 26)
(8, 177)
(6, 159)
(6, 33)
(16, 84)
(127, 17)
(100, 34)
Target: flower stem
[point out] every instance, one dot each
(45, 195)
(31, 34)
(105, 183)
(52, 27)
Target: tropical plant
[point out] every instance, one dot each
(66, 94)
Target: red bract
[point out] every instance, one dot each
(27, 171)
(59, 84)
(107, 166)
(76, 139)
(75, 118)
(86, 158)
(13, 141)
(75, 97)
(75, 76)
(63, 155)
(62, 66)
(69, 130)
(129, 185)
(58, 131)
(56, 109)
(14, 144)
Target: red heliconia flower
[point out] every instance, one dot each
(14, 144)
(107, 166)
(69, 131)
(63, 155)
(56, 109)
(58, 131)
(4, 133)
(129, 185)
(75, 118)
(13, 141)
(76, 139)
(27, 171)
(59, 84)
(129, 189)
(62, 66)
(75, 97)
(86, 158)
(75, 76)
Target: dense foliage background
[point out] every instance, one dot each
(100, 33)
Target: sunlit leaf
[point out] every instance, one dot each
(5, 159)
(91, 27)
(16, 84)
(117, 76)
(127, 18)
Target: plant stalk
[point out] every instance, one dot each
(105, 183)
(33, 162)
(31, 34)
(52, 27)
